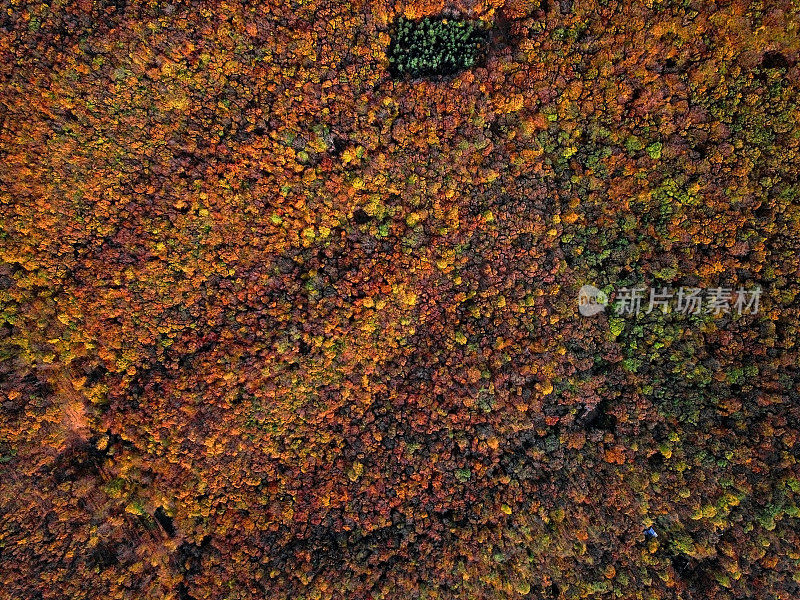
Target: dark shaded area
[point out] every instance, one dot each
(600, 419)
(165, 521)
(361, 217)
(189, 556)
(774, 60)
(103, 556)
(76, 462)
(183, 592)
(698, 574)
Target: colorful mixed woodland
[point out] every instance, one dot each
(289, 299)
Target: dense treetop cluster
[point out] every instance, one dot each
(275, 322)
(435, 45)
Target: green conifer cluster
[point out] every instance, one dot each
(435, 46)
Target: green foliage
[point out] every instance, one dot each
(435, 46)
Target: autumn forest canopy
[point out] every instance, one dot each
(289, 300)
